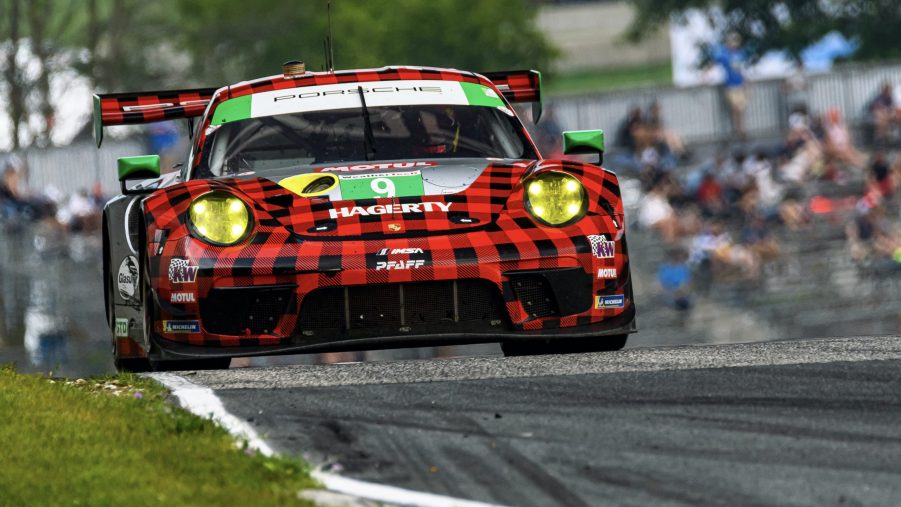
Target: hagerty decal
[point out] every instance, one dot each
(387, 209)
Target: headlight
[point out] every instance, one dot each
(555, 198)
(219, 218)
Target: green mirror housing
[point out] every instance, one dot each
(138, 168)
(582, 142)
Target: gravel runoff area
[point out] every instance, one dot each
(812, 422)
(629, 360)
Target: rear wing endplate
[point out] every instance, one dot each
(519, 86)
(148, 107)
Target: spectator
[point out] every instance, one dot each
(710, 196)
(657, 214)
(882, 115)
(733, 58)
(881, 174)
(660, 134)
(674, 277)
(839, 143)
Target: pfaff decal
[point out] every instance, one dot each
(604, 302)
(182, 271)
(405, 264)
(601, 247)
(374, 167)
(607, 273)
(127, 278)
(182, 297)
(121, 328)
(181, 326)
(387, 209)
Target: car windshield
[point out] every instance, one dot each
(395, 132)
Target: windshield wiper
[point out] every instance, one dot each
(368, 139)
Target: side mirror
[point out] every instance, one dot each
(583, 142)
(144, 167)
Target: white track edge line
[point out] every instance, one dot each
(202, 401)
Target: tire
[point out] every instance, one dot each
(150, 317)
(564, 345)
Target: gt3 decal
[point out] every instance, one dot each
(121, 328)
(604, 302)
(181, 271)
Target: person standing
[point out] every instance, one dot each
(733, 58)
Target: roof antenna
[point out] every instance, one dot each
(329, 50)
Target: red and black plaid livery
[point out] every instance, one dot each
(148, 107)
(283, 250)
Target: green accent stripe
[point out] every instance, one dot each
(480, 95)
(232, 110)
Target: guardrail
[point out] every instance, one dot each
(700, 114)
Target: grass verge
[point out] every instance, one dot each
(117, 441)
(659, 74)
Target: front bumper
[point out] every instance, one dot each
(330, 295)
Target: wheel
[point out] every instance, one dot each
(564, 345)
(150, 316)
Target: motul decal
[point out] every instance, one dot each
(374, 167)
(607, 273)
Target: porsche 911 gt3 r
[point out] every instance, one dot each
(325, 211)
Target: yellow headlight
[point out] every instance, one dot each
(555, 198)
(220, 218)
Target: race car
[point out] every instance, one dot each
(356, 210)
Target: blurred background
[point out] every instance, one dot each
(756, 141)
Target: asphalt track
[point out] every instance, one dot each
(813, 422)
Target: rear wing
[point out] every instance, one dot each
(148, 107)
(519, 86)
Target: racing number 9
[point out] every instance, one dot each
(383, 187)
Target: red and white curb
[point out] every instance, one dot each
(202, 401)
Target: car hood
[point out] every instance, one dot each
(431, 197)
